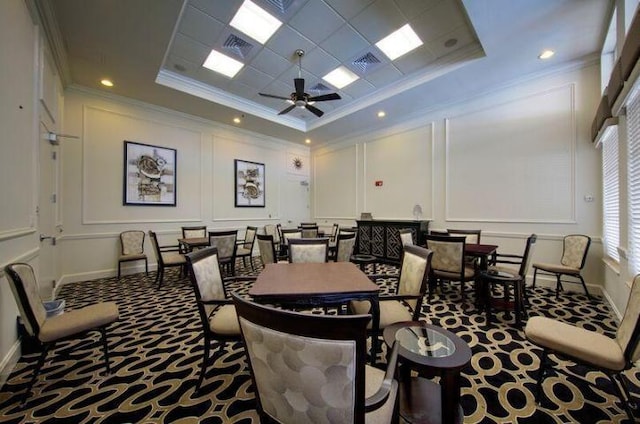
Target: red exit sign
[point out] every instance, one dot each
(379, 183)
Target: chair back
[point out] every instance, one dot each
(414, 273)
(309, 232)
(267, 249)
(225, 242)
(289, 234)
(438, 232)
(24, 286)
(308, 224)
(131, 242)
(334, 232)
(406, 237)
(448, 253)
(628, 334)
(574, 250)
(311, 250)
(199, 231)
(330, 351)
(272, 230)
(344, 247)
(156, 248)
(279, 233)
(527, 256)
(472, 236)
(250, 237)
(206, 279)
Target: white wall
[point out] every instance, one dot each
(93, 212)
(512, 162)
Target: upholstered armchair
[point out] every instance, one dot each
(167, 256)
(303, 250)
(225, 242)
(448, 263)
(472, 236)
(244, 248)
(312, 368)
(406, 237)
(344, 247)
(199, 231)
(132, 249)
(267, 247)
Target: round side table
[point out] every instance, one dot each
(363, 260)
(432, 350)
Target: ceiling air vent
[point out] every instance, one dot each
(366, 63)
(319, 87)
(281, 6)
(237, 46)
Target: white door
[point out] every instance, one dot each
(295, 202)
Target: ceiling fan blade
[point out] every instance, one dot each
(273, 96)
(299, 83)
(324, 97)
(287, 110)
(314, 110)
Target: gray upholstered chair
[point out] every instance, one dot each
(611, 356)
(405, 304)
(308, 250)
(168, 256)
(48, 331)
(574, 255)
(472, 236)
(406, 237)
(132, 249)
(244, 248)
(225, 242)
(216, 310)
(312, 368)
(267, 247)
(199, 231)
(344, 247)
(448, 263)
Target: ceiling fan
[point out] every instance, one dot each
(301, 99)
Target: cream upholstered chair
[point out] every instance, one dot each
(574, 255)
(406, 237)
(216, 310)
(267, 247)
(312, 368)
(286, 235)
(199, 231)
(244, 248)
(311, 250)
(448, 263)
(405, 304)
(472, 236)
(132, 249)
(272, 230)
(612, 356)
(309, 232)
(75, 323)
(225, 242)
(167, 257)
(344, 247)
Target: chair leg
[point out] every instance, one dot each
(160, 277)
(541, 372)
(203, 365)
(584, 286)
(558, 286)
(119, 263)
(105, 349)
(624, 398)
(36, 371)
(146, 267)
(535, 274)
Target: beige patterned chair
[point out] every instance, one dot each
(406, 303)
(308, 250)
(287, 234)
(311, 368)
(48, 331)
(199, 231)
(448, 263)
(574, 255)
(272, 230)
(344, 247)
(244, 248)
(216, 310)
(267, 247)
(167, 257)
(225, 242)
(406, 237)
(309, 232)
(595, 350)
(132, 249)
(472, 236)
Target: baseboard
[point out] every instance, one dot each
(9, 362)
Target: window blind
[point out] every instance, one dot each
(633, 170)
(611, 192)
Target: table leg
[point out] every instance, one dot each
(450, 383)
(375, 326)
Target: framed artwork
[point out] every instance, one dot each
(149, 175)
(249, 181)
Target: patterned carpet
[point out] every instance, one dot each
(156, 349)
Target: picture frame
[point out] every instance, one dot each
(249, 180)
(149, 175)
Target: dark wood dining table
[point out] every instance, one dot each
(481, 251)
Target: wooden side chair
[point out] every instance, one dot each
(406, 237)
(244, 248)
(132, 249)
(448, 263)
(336, 385)
(199, 231)
(267, 247)
(472, 236)
(225, 242)
(168, 256)
(344, 247)
(308, 250)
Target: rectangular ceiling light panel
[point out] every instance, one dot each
(399, 42)
(223, 64)
(340, 77)
(255, 22)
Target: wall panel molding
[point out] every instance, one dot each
(16, 233)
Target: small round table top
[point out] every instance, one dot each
(363, 258)
(428, 345)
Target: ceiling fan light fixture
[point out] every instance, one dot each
(399, 42)
(340, 77)
(222, 64)
(255, 22)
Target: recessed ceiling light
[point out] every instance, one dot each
(236, 120)
(106, 83)
(546, 54)
(308, 141)
(399, 42)
(340, 77)
(381, 114)
(223, 64)
(255, 22)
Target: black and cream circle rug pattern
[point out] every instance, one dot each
(156, 349)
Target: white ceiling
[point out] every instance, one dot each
(153, 50)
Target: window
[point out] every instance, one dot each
(611, 192)
(633, 175)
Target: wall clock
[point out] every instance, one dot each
(297, 163)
